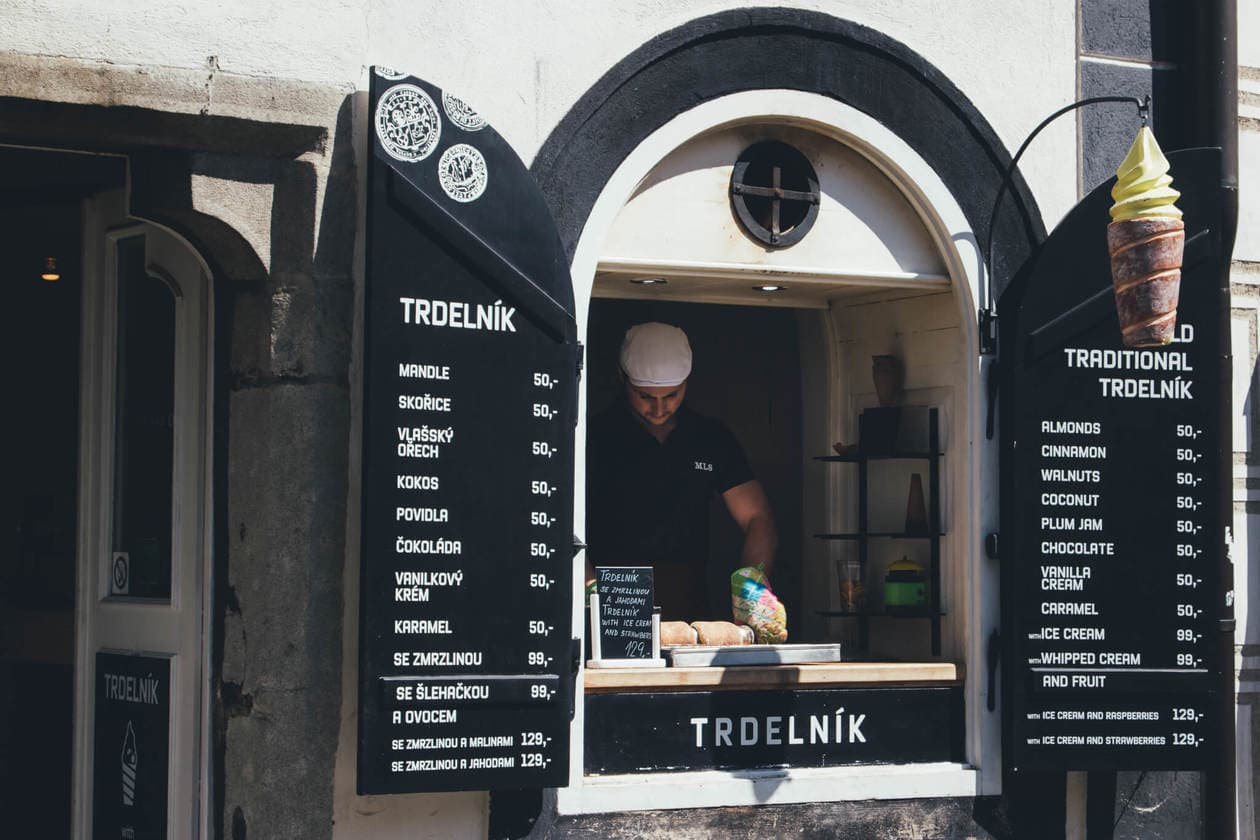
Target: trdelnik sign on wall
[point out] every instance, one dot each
(132, 736)
(814, 727)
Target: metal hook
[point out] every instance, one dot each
(1143, 107)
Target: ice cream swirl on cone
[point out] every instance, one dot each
(1143, 187)
(1145, 240)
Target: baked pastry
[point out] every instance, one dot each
(678, 633)
(722, 633)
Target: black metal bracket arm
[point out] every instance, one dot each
(991, 389)
(988, 315)
(993, 657)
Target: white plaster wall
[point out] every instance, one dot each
(924, 332)
(1247, 241)
(322, 41)
(523, 64)
(683, 211)
(556, 50)
(1248, 26)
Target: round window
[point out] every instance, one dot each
(774, 193)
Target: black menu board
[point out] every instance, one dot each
(470, 379)
(1114, 503)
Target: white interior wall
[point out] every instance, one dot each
(682, 211)
(819, 368)
(922, 330)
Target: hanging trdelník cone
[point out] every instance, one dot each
(1145, 239)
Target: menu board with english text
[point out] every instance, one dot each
(625, 611)
(470, 392)
(1115, 507)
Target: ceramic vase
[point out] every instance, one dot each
(916, 510)
(889, 375)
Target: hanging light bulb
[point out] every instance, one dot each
(50, 273)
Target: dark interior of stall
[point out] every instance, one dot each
(745, 373)
(41, 244)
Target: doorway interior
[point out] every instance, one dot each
(104, 558)
(41, 266)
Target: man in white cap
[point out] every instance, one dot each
(652, 468)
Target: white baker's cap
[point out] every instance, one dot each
(655, 355)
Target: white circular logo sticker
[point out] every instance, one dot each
(407, 123)
(389, 72)
(458, 112)
(462, 173)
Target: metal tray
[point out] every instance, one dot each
(692, 656)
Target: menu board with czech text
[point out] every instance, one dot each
(470, 389)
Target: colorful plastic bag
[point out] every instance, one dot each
(754, 604)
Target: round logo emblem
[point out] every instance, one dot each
(462, 173)
(121, 573)
(458, 112)
(389, 72)
(407, 123)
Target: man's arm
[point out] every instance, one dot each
(750, 509)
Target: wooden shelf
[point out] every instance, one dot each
(892, 535)
(859, 457)
(761, 677)
(931, 535)
(896, 612)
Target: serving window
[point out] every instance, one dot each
(842, 366)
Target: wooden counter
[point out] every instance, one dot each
(760, 677)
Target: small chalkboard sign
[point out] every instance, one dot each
(625, 629)
(625, 611)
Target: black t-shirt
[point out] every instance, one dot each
(648, 502)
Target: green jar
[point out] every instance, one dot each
(905, 586)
